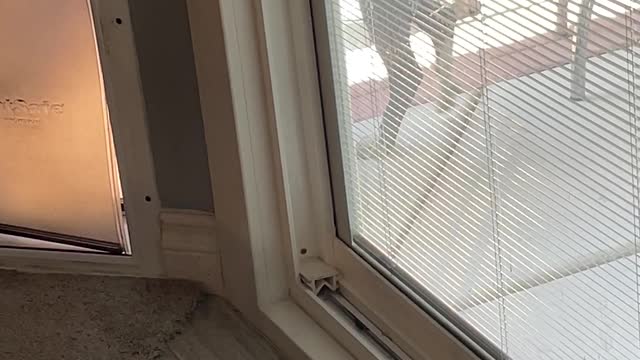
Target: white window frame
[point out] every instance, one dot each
(124, 96)
(272, 194)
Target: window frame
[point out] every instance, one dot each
(123, 92)
(346, 247)
(275, 200)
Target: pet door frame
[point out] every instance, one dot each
(125, 100)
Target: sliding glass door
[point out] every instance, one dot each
(486, 155)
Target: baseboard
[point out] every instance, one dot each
(189, 247)
(188, 250)
(188, 230)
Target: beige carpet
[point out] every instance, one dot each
(219, 332)
(85, 317)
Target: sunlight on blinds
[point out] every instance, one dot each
(491, 154)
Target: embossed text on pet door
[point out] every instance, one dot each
(59, 184)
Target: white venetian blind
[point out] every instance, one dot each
(491, 154)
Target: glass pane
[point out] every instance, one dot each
(490, 155)
(57, 166)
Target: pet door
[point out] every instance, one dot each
(59, 184)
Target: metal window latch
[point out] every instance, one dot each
(317, 275)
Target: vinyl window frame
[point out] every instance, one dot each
(273, 195)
